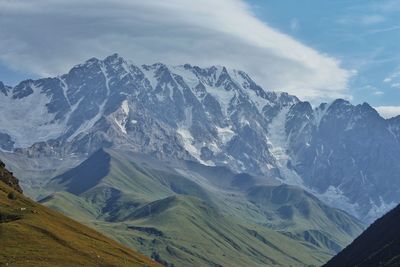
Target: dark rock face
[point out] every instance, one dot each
(379, 245)
(348, 155)
(4, 89)
(8, 178)
(6, 142)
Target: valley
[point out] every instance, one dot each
(181, 211)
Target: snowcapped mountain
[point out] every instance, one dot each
(213, 115)
(216, 116)
(347, 154)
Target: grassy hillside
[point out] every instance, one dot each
(186, 214)
(186, 231)
(379, 245)
(33, 235)
(297, 213)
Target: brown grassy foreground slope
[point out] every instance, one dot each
(33, 235)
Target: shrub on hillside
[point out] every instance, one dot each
(12, 196)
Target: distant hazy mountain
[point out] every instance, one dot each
(185, 213)
(379, 245)
(346, 155)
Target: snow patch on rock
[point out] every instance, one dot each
(277, 142)
(189, 145)
(379, 209)
(27, 119)
(335, 197)
(225, 134)
(121, 117)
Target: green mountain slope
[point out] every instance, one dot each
(299, 214)
(182, 213)
(185, 230)
(379, 245)
(33, 235)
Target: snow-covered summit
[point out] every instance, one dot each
(61, 107)
(215, 116)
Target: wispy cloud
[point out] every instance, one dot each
(395, 85)
(378, 93)
(48, 37)
(384, 30)
(365, 20)
(372, 19)
(373, 90)
(387, 6)
(388, 111)
(294, 25)
(393, 80)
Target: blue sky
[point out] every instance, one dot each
(364, 35)
(329, 49)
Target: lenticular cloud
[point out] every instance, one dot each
(48, 37)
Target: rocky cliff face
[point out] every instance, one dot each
(8, 178)
(212, 115)
(345, 154)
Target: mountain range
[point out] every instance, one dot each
(344, 154)
(200, 166)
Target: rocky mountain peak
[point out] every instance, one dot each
(216, 116)
(4, 89)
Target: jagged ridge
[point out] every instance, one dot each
(347, 155)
